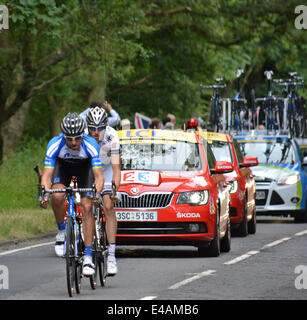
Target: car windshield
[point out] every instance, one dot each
(221, 151)
(270, 152)
(155, 155)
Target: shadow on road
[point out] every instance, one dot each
(124, 252)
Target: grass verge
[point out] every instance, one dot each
(25, 223)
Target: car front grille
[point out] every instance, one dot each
(145, 200)
(262, 202)
(276, 199)
(151, 228)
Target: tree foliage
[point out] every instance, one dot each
(143, 56)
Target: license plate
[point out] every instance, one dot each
(137, 215)
(260, 195)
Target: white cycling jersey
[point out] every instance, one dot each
(109, 145)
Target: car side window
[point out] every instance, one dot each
(209, 154)
(210, 157)
(237, 150)
(299, 151)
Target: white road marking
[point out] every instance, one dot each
(301, 233)
(196, 277)
(275, 243)
(241, 258)
(5, 253)
(149, 298)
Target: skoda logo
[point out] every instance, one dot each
(134, 190)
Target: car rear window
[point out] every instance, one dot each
(157, 155)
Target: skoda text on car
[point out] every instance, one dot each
(170, 196)
(243, 186)
(280, 178)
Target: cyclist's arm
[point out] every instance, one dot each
(99, 178)
(115, 158)
(114, 120)
(46, 181)
(46, 177)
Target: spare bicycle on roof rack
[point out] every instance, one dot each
(294, 105)
(217, 110)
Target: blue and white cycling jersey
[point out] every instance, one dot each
(57, 148)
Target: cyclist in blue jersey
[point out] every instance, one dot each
(73, 153)
(108, 140)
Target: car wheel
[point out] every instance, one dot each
(242, 231)
(252, 224)
(226, 241)
(214, 248)
(301, 217)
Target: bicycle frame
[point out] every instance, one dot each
(292, 105)
(216, 107)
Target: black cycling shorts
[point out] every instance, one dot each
(64, 170)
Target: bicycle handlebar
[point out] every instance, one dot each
(67, 190)
(239, 100)
(286, 83)
(214, 86)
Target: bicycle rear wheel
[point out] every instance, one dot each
(70, 256)
(102, 265)
(93, 278)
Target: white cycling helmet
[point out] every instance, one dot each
(97, 116)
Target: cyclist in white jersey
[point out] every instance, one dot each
(108, 140)
(113, 120)
(73, 153)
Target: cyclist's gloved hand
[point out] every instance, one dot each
(43, 201)
(116, 198)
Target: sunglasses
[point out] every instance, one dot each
(76, 138)
(94, 128)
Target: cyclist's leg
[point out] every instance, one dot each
(85, 180)
(111, 221)
(111, 230)
(59, 180)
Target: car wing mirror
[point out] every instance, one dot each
(222, 167)
(249, 161)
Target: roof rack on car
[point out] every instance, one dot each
(280, 114)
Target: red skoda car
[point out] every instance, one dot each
(173, 192)
(243, 186)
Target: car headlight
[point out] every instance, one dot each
(290, 179)
(234, 186)
(193, 198)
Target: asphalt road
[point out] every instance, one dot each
(261, 266)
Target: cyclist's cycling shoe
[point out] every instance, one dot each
(88, 268)
(59, 243)
(111, 267)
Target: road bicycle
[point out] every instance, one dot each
(295, 104)
(216, 104)
(74, 243)
(100, 243)
(271, 106)
(239, 107)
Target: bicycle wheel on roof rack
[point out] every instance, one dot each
(70, 256)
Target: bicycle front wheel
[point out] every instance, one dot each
(70, 256)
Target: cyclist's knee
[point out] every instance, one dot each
(58, 197)
(86, 206)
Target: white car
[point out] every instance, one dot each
(281, 182)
